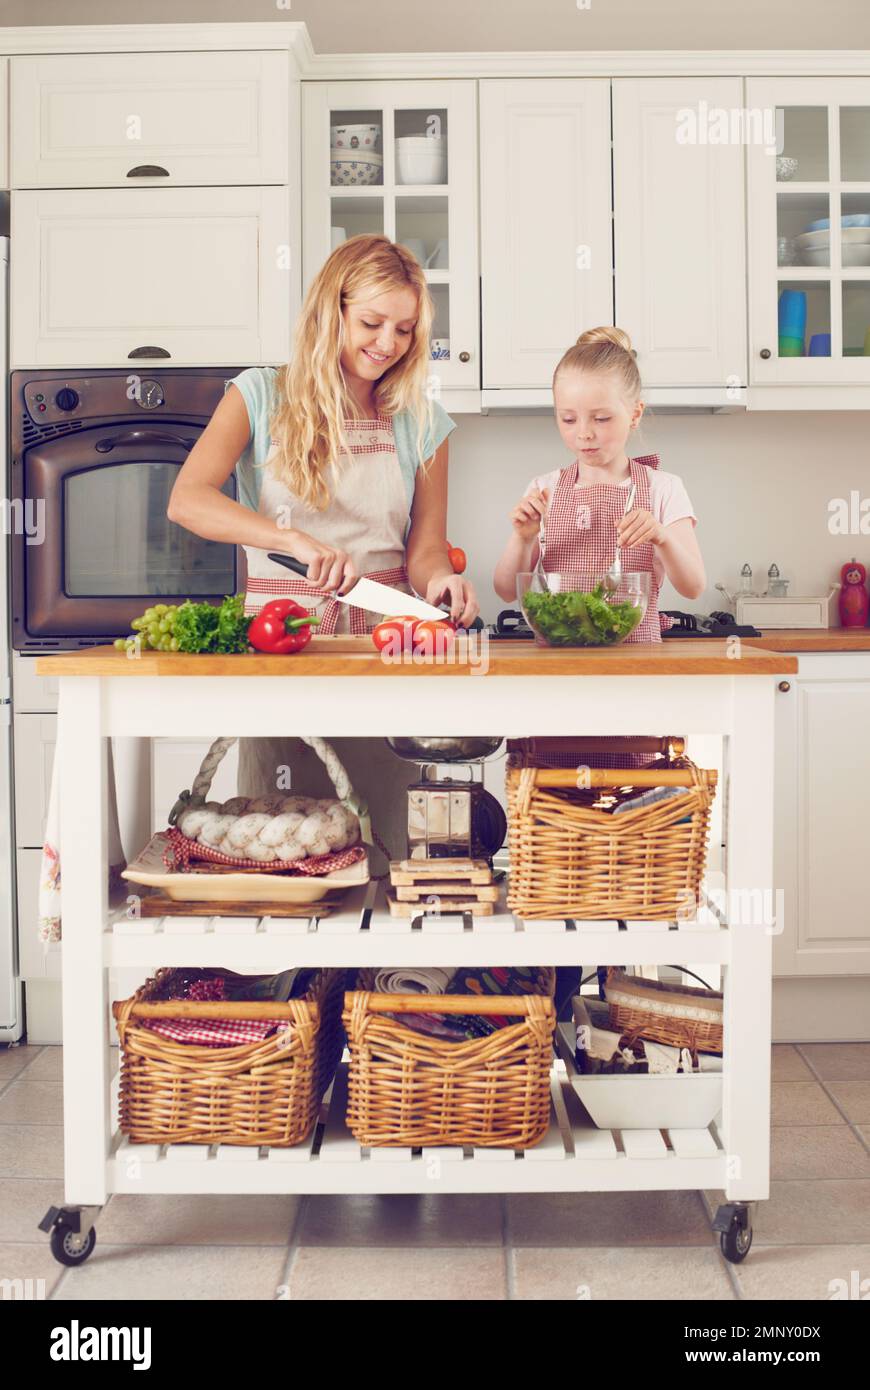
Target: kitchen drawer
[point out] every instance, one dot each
(89, 120)
(34, 738)
(35, 961)
(141, 277)
(31, 692)
(175, 763)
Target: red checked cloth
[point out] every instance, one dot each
(262, 590)
(180, 850)
(213, 1032)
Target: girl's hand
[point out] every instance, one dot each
(639, 526)
(328, 569)
(528, 513)
(458, 592)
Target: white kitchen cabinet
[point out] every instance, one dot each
(822, 776)
(34, 738)
(437, 219)
(823, 175)
(680, 262)
(97, 120)
(184, 276)
(546, 246)
(4, 123)
(30, 692)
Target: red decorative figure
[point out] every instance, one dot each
(854, 599)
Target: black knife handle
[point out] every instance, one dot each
(290, 562)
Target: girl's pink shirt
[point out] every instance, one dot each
(669, 501)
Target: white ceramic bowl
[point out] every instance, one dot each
(418, 142)
(355, 137)
(349, 168)
(423, 166)
(851, 255)
(817, 241)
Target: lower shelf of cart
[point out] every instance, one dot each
(362, 932)
(574, 1156)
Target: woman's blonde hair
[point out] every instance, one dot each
(312, 398)
(605, 350)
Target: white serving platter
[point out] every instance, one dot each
(149, 870)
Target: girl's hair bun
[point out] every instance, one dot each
(606, 334)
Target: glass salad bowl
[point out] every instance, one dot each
(580, 610)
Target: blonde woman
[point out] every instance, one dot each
(341, 461)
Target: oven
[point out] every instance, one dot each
(94, 458)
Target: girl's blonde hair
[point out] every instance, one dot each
(312, 398)
(604, 350)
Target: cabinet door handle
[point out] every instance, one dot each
(149, 352)
(465, 356)
(765, 353)
(784, 686)
(148, 171)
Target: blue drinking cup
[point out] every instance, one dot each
(792, 314)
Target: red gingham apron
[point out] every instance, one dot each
(580, 538)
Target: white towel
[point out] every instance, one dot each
(398, 980)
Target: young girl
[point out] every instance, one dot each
(341, 462)
(571, 519)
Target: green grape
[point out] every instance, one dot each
(136, 624)
(173, 644)
(149, 615)
(165, 624)
(160, 608)
(153, 634)
(120, 644)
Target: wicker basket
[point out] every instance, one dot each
(571, 859)
(679, 1015)
(408, 1088)
(265, 1092)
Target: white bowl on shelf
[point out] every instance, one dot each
(427, 165)
(352, 168)
(850, 255)
(355, 137)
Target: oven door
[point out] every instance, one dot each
(108, 548)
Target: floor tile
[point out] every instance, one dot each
(786, 1064)
(799, 1271)
(817, 1151)
(402, 1220)
(178, 1272)
(606, 1218)
(31, 1151)
(23, 1204)
(32, 1102)
(801, 1103)
(13, 1060)
(854, 1099)
(394, 1274)
(197, 1220)
(48, 1066)
(34, 1265)
(679, 1274)
(839, 1061)
(830, 1212)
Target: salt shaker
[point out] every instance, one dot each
(746, 580)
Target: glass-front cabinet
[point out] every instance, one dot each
(399, 159)
(809, 230)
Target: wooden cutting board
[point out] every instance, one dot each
(158, 905)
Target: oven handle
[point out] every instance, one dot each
(105, 446)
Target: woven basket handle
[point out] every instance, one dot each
(455, 1003)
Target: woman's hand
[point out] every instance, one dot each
(328, 569)
(459, 593)
(527, 514)
(639, 526)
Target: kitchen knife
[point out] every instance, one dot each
(370, 595)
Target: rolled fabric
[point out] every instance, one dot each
(399, 980)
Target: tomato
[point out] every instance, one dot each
(433, 636)
(395, 634)
(457, 559)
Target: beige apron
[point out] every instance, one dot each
(367, 516)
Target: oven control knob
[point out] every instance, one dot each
(66, 398)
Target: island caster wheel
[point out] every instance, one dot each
(735, 1231)
(69, 1247)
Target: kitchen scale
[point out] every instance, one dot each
(451, 817)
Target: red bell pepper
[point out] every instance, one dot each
(281, 626)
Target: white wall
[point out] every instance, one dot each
(760, 485)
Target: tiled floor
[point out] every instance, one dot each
(814, 1229)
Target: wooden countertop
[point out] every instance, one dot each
(830, 639)
(355, 656)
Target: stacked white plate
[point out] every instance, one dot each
(814, 248)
